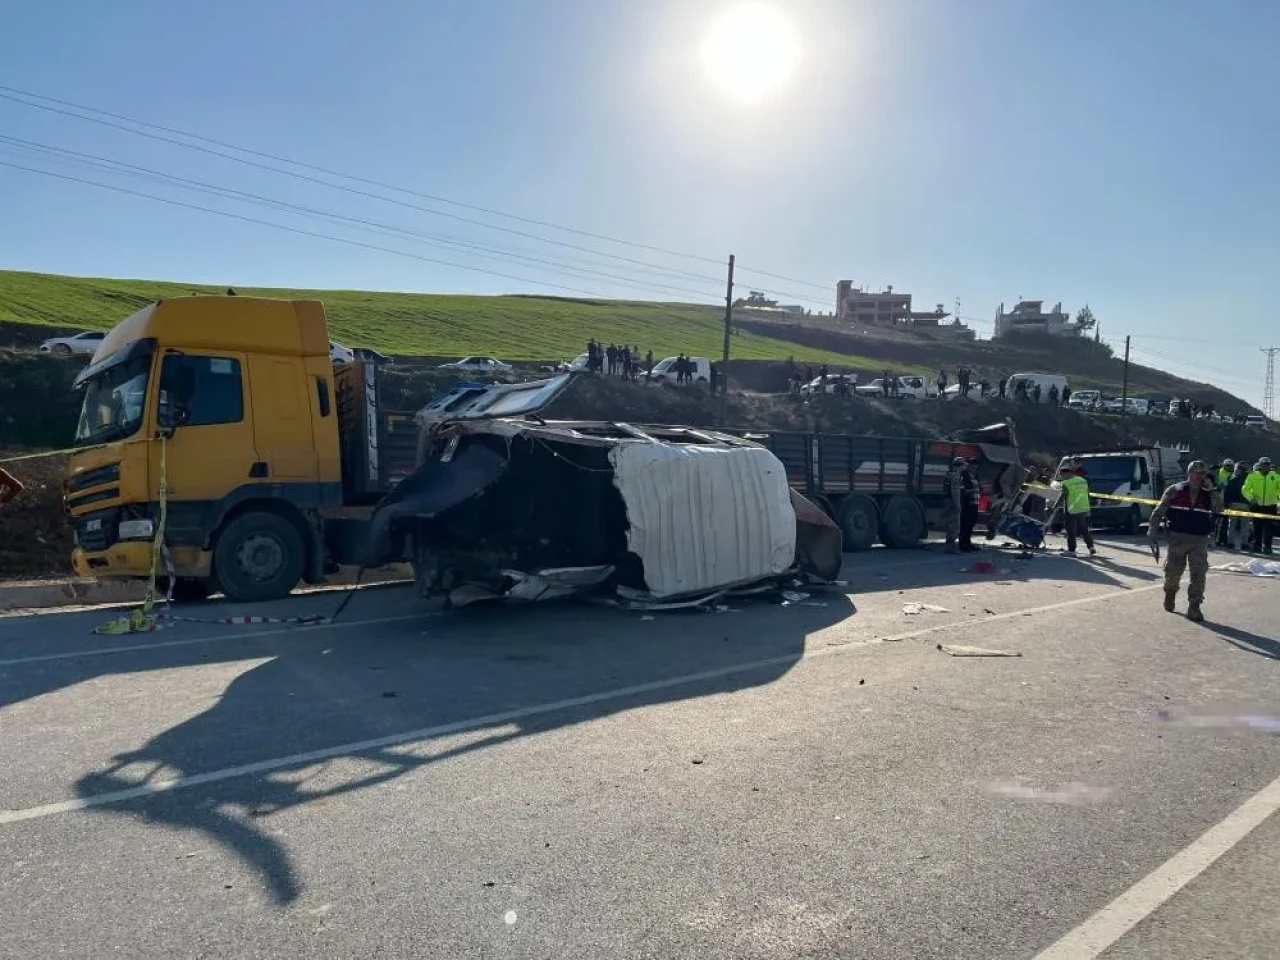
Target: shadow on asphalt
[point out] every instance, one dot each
(1253, 643)
(329, 689)
(928, 566)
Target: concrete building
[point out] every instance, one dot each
(1029, 316)
(863, 308)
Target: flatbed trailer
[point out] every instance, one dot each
(891, 488)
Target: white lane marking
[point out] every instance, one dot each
(508, 716)
(1104, 928)
(224, 635)
(15, 613)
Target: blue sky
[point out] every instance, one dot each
(1115, 153)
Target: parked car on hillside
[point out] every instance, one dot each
(371, 355)
(1085, 400)
(909, 387)
(1256, 421)
(478, 365)
(834, 380)
(666, 369)
(1045, 381)
(86, 343)
(579, 364)
(340, 354)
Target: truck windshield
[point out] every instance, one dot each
(113, 401)
(1110, 470)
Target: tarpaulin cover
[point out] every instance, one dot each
(703, 517)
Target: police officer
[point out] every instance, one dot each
(1075, 493)
(1262, 490)
(961, 490)
(1189, 508)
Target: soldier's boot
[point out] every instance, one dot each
(1194, 613)
(1169, 597)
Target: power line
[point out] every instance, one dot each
(1158, 357)
(116, 166)
(382, 185)
(301, 232)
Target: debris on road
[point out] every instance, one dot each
(1256, 568)
(1260, 723)
(961, 650)
(913, 609)
(1072, 794)
(506, 506)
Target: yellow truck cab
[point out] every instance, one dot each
(264, 450)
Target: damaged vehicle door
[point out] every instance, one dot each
(504, 504)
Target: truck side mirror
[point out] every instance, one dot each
(177, 387)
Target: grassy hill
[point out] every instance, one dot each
(554, 328)
(509, 327)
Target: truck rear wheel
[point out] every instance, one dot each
(258, 556)
(859, 522)
(904, 523)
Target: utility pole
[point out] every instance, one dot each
(724, 359)
(1269, 384)
(1124, 393)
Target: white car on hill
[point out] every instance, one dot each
(834, 381)
(910, 387)
(86, 343)
(478, 365)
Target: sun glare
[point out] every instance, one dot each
(751, 51)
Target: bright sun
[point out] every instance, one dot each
(751, 51)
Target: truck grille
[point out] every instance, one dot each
(109, 473)
(97, 531)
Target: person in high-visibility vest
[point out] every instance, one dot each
(1075, 494)
(1262, 490)
(1225, 473)
(1190, 508)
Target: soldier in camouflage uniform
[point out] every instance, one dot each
(1190, 508)
(953, 488)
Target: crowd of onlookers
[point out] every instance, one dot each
(617, 361)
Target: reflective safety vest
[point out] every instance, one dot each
(1262, 489)
(1076, 489)
(1190, 511)
(1223, 476)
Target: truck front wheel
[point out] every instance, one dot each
(258, 556)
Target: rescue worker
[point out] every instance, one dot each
(1075, 493)
(1225, 472)
(1262, 490)
(1233, 499)
(1188, 508)
(1224, 475)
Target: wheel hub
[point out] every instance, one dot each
(260, 557)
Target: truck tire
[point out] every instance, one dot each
(1132, 521)
(859, 522)
(258, 556)
(904, 523)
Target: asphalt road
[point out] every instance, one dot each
(808, 780)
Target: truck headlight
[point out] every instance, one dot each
(136, 530)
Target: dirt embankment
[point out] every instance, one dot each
(36, 541)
